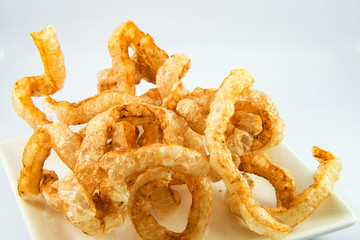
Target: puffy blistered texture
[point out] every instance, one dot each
(177, 93)
(203, 98)
(97, 132)
(242, 202)
(81, 210)
(259, 103)
(46, 84)
(55, 136)
(85, 110)
(190, 110)
(152, 96)
(239, 143)
(148, 54)
(198, 216)
(106, 80)
(305, 203)
(124, 136)
(113, 185)
(97, 214)
(171, 72)
(152, 134)
(132, 149)
(50, 191)
(248, 122)
(164, 200)
(281, 179)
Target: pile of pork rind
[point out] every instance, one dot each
(132, 149)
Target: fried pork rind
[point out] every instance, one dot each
(239, 143)
(117, 84)
(144, 72)
(55, 136)
(152, 97)
(248, 122)
(257, 102)
(190, 110)
(93, 146)
(125, 136)
(171, 72)
(281, 179)
(150, 56)
(49, 190)
(305, 203)
(43, 85)
(132, 149)
(168, 80)
(97, 216)
(198, 217)
(203, 98)
(244, 205)
(164, 201)
(152, 134)
(106, 81)
(80, 208)
(85, 110)
(177, 93)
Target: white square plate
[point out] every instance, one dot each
(45, 223)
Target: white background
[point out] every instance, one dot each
(305, 54)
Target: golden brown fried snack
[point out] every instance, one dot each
(150, 56)
(259, 103)
(46, 84)
(177, 93)
(85, 110)
(143, 72)
(281, 179)
(81, 209)
(198, 217)
(152, 134)
(94, 144)
(248, 122)
(190, 110)
(108, 157)
(305, 203)
(49, 190)
(203, 98)
(106, 80)
(239, 143)
(164, 201)
(55, 136)
(171, 72)
(125, 136)
(221, 110)
(98, 214)
(152, 96)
